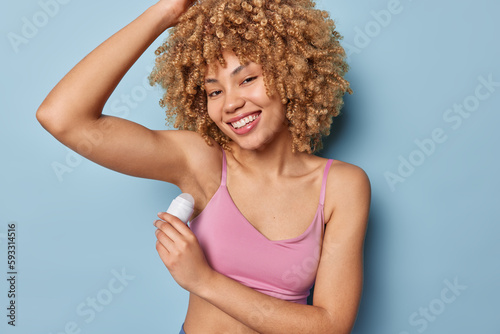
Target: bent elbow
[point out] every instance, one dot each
(42, 116)
(52, 121)
(337, 325)
(46, 119)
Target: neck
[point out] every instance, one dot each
(275, 158)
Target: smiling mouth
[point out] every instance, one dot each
(245, 121)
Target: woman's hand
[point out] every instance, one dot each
(181, 253)
(175, 8)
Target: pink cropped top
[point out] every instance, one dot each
(285, 269)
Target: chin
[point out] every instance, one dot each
(260, 142)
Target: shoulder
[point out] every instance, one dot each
(347, 189)
(342, 174)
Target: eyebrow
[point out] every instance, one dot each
(233, 73)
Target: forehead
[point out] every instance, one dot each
(232, 66)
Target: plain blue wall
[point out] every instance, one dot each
(431, 262)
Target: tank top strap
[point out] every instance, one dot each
(323, 185)
(224, 169)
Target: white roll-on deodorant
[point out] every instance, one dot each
(182, 207)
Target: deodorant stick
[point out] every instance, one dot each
(182, 207)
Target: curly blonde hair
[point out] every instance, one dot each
(295, 43)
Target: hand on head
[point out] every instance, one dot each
(176, 7)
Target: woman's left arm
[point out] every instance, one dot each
(339, 279)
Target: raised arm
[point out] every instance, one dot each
(72, 112)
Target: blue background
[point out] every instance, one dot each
(435, 210)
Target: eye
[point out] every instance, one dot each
(214, 93)
(247, 80)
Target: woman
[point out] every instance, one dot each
(252, 87)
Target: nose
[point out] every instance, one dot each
(233, 101)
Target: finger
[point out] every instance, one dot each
(170, 230)
(162, 252)
(165, 240)
(176, 222)
(161, 249)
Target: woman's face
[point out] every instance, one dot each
(237, 102)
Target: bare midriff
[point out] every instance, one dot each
(204, 318)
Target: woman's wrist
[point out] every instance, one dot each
(161, 18)
(207, 285)
(168, 15)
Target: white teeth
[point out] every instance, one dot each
(244, 121)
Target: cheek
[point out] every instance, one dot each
(280, 114)
(278, 107)
(212, 112)
(273, 102)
